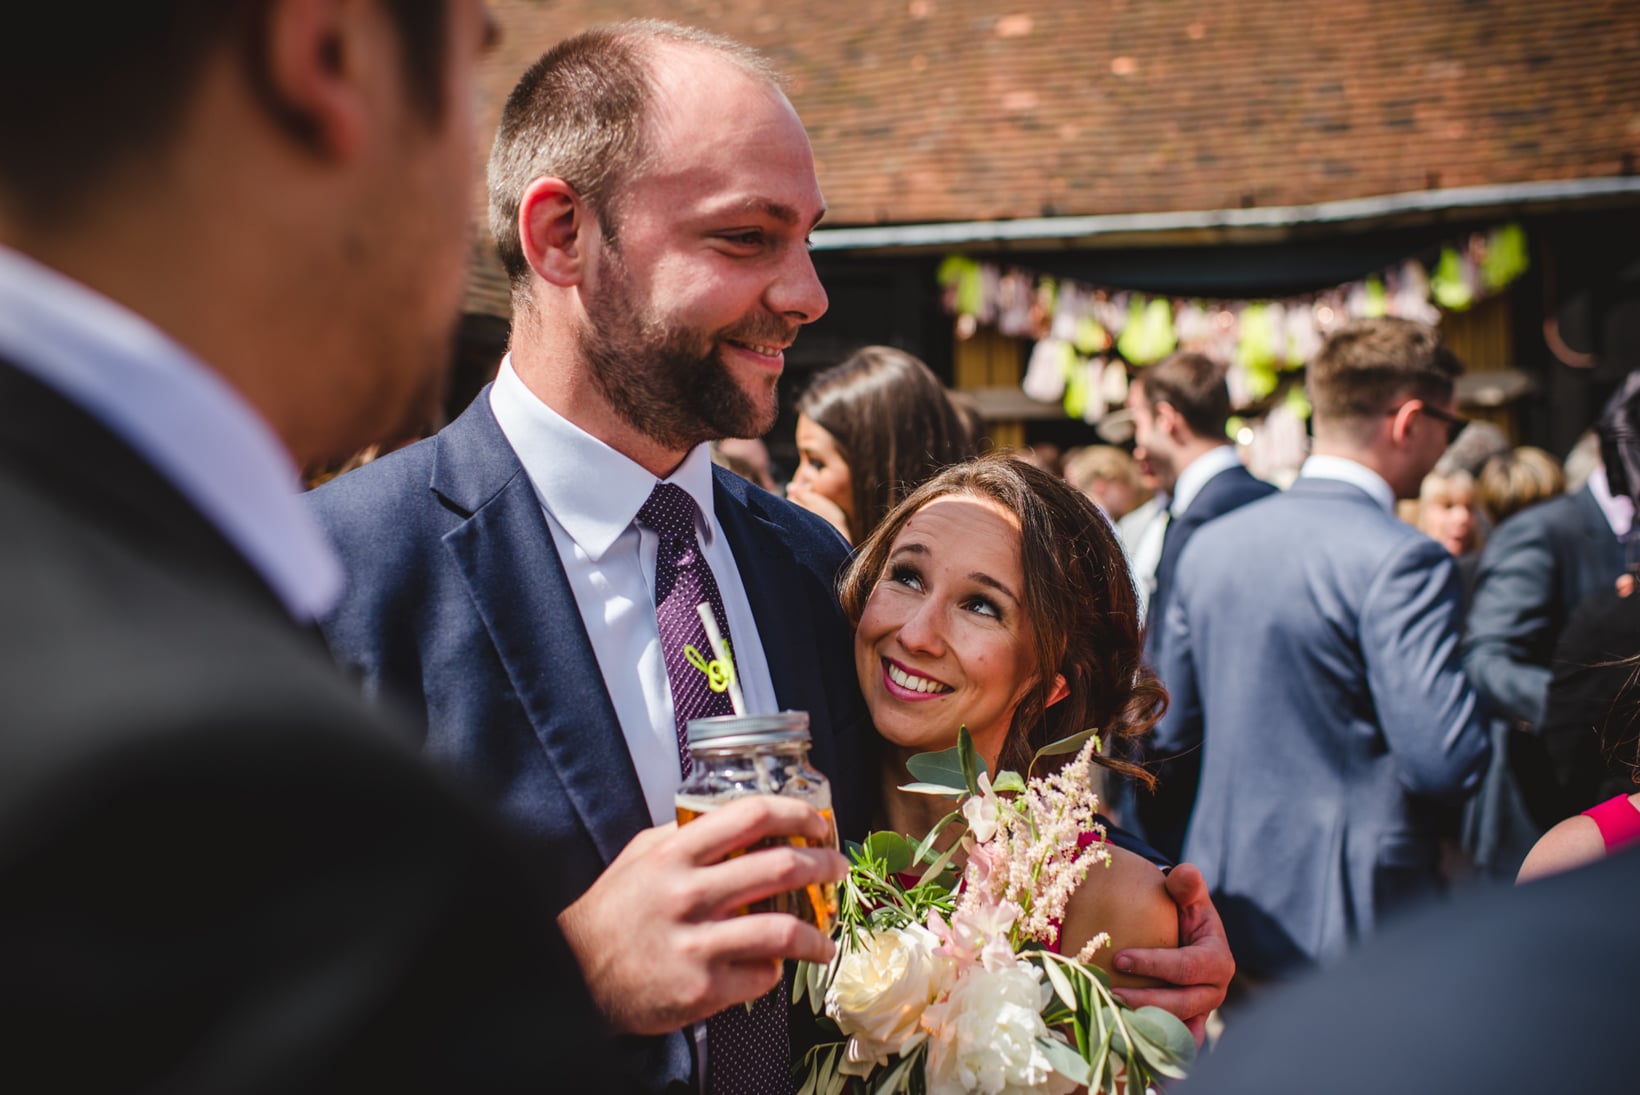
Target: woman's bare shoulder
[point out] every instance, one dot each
(1572, 843)
(1126, 897)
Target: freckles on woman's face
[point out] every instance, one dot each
(945, 639)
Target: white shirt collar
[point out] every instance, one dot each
(179, 415)
(1196, 475)
(1345, 470)
(592, 490)
(1618, 509)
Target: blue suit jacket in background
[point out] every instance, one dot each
(457, 604)
(1312, 649)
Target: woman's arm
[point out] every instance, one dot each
(1128, 898)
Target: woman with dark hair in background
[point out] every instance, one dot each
(869, 431)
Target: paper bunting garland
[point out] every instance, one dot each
(1076, 326)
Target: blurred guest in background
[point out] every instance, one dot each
(1511, 481)
(1180, 407)
(1538, 565)
(1476, 444)
(1109, 476)
(869, 431)
(1312, 652)
(1447, 513)
(747, 457)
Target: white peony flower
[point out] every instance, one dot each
(880, 990)
(982, 1037)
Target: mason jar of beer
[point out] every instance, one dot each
(735, 755)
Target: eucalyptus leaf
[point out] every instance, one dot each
(898, 1076)
(1175, 1048)
(892, 848)
(972, 766)
(927, 842)
(1008, 781)
(933, 789)
(834, 1075)
(943, 768)
(938, 866)
(1065, 1060)
(1072, 744)
(810, 1081)
(1061, 983)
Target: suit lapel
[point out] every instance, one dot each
(770, 574)
(506, 555)
(774, 581)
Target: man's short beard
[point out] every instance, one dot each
(668, 382)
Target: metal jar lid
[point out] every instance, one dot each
(744, 731)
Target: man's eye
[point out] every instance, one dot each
(745, 239)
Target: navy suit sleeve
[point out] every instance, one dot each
(1409, 639)
(1509, 615)
(1180, 728)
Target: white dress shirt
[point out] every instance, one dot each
(1349, 471)
(177, 414)
(591, 495)
(1141, 535)
(1196, 476)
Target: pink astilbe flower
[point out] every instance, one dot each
(1035, 859)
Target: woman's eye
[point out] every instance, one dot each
(984, 606)
(905, 576)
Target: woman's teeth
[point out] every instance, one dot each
(914, 683)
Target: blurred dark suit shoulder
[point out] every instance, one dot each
(1505, 990)
(219, 871)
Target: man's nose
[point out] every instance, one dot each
(797, 294)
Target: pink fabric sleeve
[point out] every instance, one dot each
(1618, 822)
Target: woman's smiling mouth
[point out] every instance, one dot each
(902, 679)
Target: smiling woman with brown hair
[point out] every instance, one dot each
(996, 597)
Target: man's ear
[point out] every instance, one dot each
(1058, 692)
(554, 226)
(316, 59)
(1168, 418)
(1400, 423)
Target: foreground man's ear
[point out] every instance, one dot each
(317, 59)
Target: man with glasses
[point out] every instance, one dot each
(1312, 651)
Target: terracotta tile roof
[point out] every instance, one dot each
(935, 110)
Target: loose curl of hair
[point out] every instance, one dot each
(1079, 598)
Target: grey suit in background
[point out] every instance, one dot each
(1312, 649)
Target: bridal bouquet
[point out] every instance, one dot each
(948, 982)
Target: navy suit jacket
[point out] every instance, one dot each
(457, 603)
(1230, 489)
(1312, 651)
(1537, 567)
(1162, 816)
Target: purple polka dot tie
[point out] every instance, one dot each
(748, 1053)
